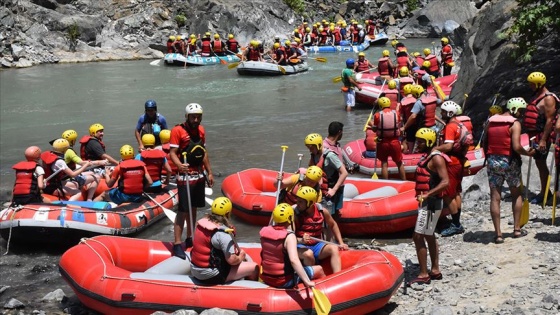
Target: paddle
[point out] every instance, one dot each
(189, 197)
(374, 176)
(282, 69)
(168, 212)
(482, 134)
(279, 183)
(437, 88)
(373, 107)
(233, 65)
(322, 240)
(339, 78)
(238, 55)
(320, 59)
(222, 61)
(300, 156)
(155, 62)
(52, 175)
(187, 55)
(551, 168)
(525, 208)
(464, 102)
(321, 301)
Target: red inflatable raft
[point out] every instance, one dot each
(370, 206)
(117, 275)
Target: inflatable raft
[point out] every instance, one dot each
(261, 68)
(378, 40)
(343, 47)
(353, 152)
(117, 275)
(370, 206)
(181, 60)
(68, 221)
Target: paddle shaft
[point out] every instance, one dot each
(551, 169)
(191, 223)
(322, 240)
(373, 106)
(300, 156)
(486, 123)
(284, 148)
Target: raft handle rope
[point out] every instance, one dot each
(14, 210)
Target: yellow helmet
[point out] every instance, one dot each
(127, 152)
(394, 42)
(403, 72)
(93, 129)
(307, 193)
(331, 28)
(324, 21)
(427, 51)
(60, 145)
(172, 38)
(276, 45)
(164, 136)
(70, 135)
(314, 173)
(207, 34)
(384, 102)
(178, 37)
(427, 134)
(407, 89)
(149, 139)
(296, 31)
(314, 139)
(444, 40)
(417, 90)
(287, 43)
(426, 64)
(392, 84)
(230, 36)
(33, 153)
(344, 24)
(361, 54)
(283, 213)
(416, 54)
(193, 36)
(495, 109)
(307, 29)
(216, 36)
(221, 206)
(255, 43)
(297, 40)
(385, 53)
(537, 78)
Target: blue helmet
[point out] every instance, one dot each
(349, 62)
(150, 104)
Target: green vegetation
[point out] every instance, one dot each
(412, 5)
(297, 5)
(72, 34)
(533, 19)
(181, 19)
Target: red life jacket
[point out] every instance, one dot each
(218, 46)
(434, 67)
(205, 47)
(419, 61)
(465, 120)
(393, 96)
(253, 54)
(311, 224)
(89, 155)
(49, 158)
(232, 45)
(430, 104)
(405, 81)
(406, 106)
(402, 61)
(388, 128)
(167, 148)
(425, 178)
(277, 269)
(533, 121)
(26, 183)
(463, 140)
(202, 254)
(131, 181)
(337, 36)
(447, 57)
(371, 140)
(192, 48)
(154, 160)
(499, 135)
(383, 66)
(362, 65)
(169, 47)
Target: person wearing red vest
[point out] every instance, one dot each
(393, 94)
(66, 183)
(279, 54)
(539, 121)
(92, 147)
(362, 65)
(407, 103)
(502, 145)
(232, 45)
(423, 112)
(312, 177)
(215, 256)
(431, 181)
(170, 42)
(310, 220)
(385, 66)
(252, 52)
(446, 56)
(188, 152)
(403, 60)
(218, 46)
(434, 62)
(206, 45)
(281, 267)
(131, 175)
(29, 178)
(164, 137)
(386, 126)
(156, 161)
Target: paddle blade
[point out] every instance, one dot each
(524, 213)
(294, 60)
(155, 62)
(282, 69)
(336, 79)
(545, 199)
(233, 65)
(222, 61)
(321, 301)
(553, 208)
(321, 59)
(374, 176)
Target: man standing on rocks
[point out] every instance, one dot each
(431, 181)
(503, 155)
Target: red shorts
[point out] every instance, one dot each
(389, 148)
(455, 173)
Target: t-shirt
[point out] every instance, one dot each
(220, 241)
(451, 134)
(159, 118)
(39, 170)
(331, 164)
(418, 107)
(71, 156)
(95, 149)
(346, 74)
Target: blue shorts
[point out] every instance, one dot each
(316, 249)
(292, 283)
(119, 197)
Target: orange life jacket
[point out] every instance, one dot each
(499, 135)
(310, 224)
(425, 178)
(277, 269)
(388, 128)
(218, 46)
(383, 66)
(203, 254)
(429, 115)
(131, 181)
(154, 160)
(26, 183)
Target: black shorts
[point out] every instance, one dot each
(542, 155)
(196, 193)
(23, 200)
(411, 133)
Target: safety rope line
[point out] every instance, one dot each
(14, 210)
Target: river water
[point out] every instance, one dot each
(247, 120)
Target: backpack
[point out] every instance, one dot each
(466, 140)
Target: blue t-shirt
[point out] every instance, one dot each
(160, 119)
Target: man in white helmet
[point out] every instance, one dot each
(187, 151)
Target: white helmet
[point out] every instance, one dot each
(193, 108)
(360, 26)
(450, 107)
(515, 104)
(459, 109)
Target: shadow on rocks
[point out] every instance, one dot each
(548, 237)
(481, 237)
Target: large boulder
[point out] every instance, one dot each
(439, 17)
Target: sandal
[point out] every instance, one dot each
(498, 239)
(519, 233)
(419, 280)
(435, 276)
